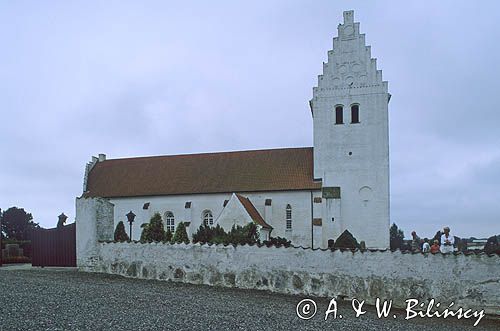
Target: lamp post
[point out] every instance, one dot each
(130, 218)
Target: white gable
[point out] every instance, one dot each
(233, 214)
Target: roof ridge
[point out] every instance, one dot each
(205, 153)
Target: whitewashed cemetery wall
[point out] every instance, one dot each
(471, 281)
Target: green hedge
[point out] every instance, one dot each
(247, 234)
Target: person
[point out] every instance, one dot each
(426, 247)
(435, 247)
(447, 241)
(415, 243)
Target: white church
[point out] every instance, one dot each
(307, 195)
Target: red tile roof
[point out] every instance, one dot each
(252, 211)
(225, 172)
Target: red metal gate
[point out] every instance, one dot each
(54, 247)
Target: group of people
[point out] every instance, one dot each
(445, 245)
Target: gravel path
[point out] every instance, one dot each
(55, 299)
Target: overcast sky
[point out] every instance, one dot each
(158, 77)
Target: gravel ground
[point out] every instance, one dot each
(62, 299)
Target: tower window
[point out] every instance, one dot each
(354, 114)
(288, 217)
(339, 115)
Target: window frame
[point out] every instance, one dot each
(339, 114)
(355, 110)
(169, 220)
(288, 218)
(207, 218)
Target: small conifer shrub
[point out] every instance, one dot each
(120, 233)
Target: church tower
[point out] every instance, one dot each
(351, 140)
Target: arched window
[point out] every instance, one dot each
(339, 115)
(208, 218)
(288, 217)
(170, 221)
(355, 114)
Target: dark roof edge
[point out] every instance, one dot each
(222, 192)
(205, 153)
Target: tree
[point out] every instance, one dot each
(203, 234)
(145, 232)
(180, 235)
(154, 231)
(168, 236)
(17, 224)
(346, 240)
(217, 234)
(247, 234)
(396, 237)
(210, 234)
(120, 233)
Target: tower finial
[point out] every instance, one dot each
(349, 17)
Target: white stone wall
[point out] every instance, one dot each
(469, 281)
(275, 216)
(353, 156)
(93, 223)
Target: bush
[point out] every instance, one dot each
(218, 234)
(207, 234)
(154, 230)
(145, 232)
(180, 235)
(346, 240)
(204, 234)
(492, 245)
(247, 234)
(277, 241)
(120, 234)
(396, 237)
(168, 236)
